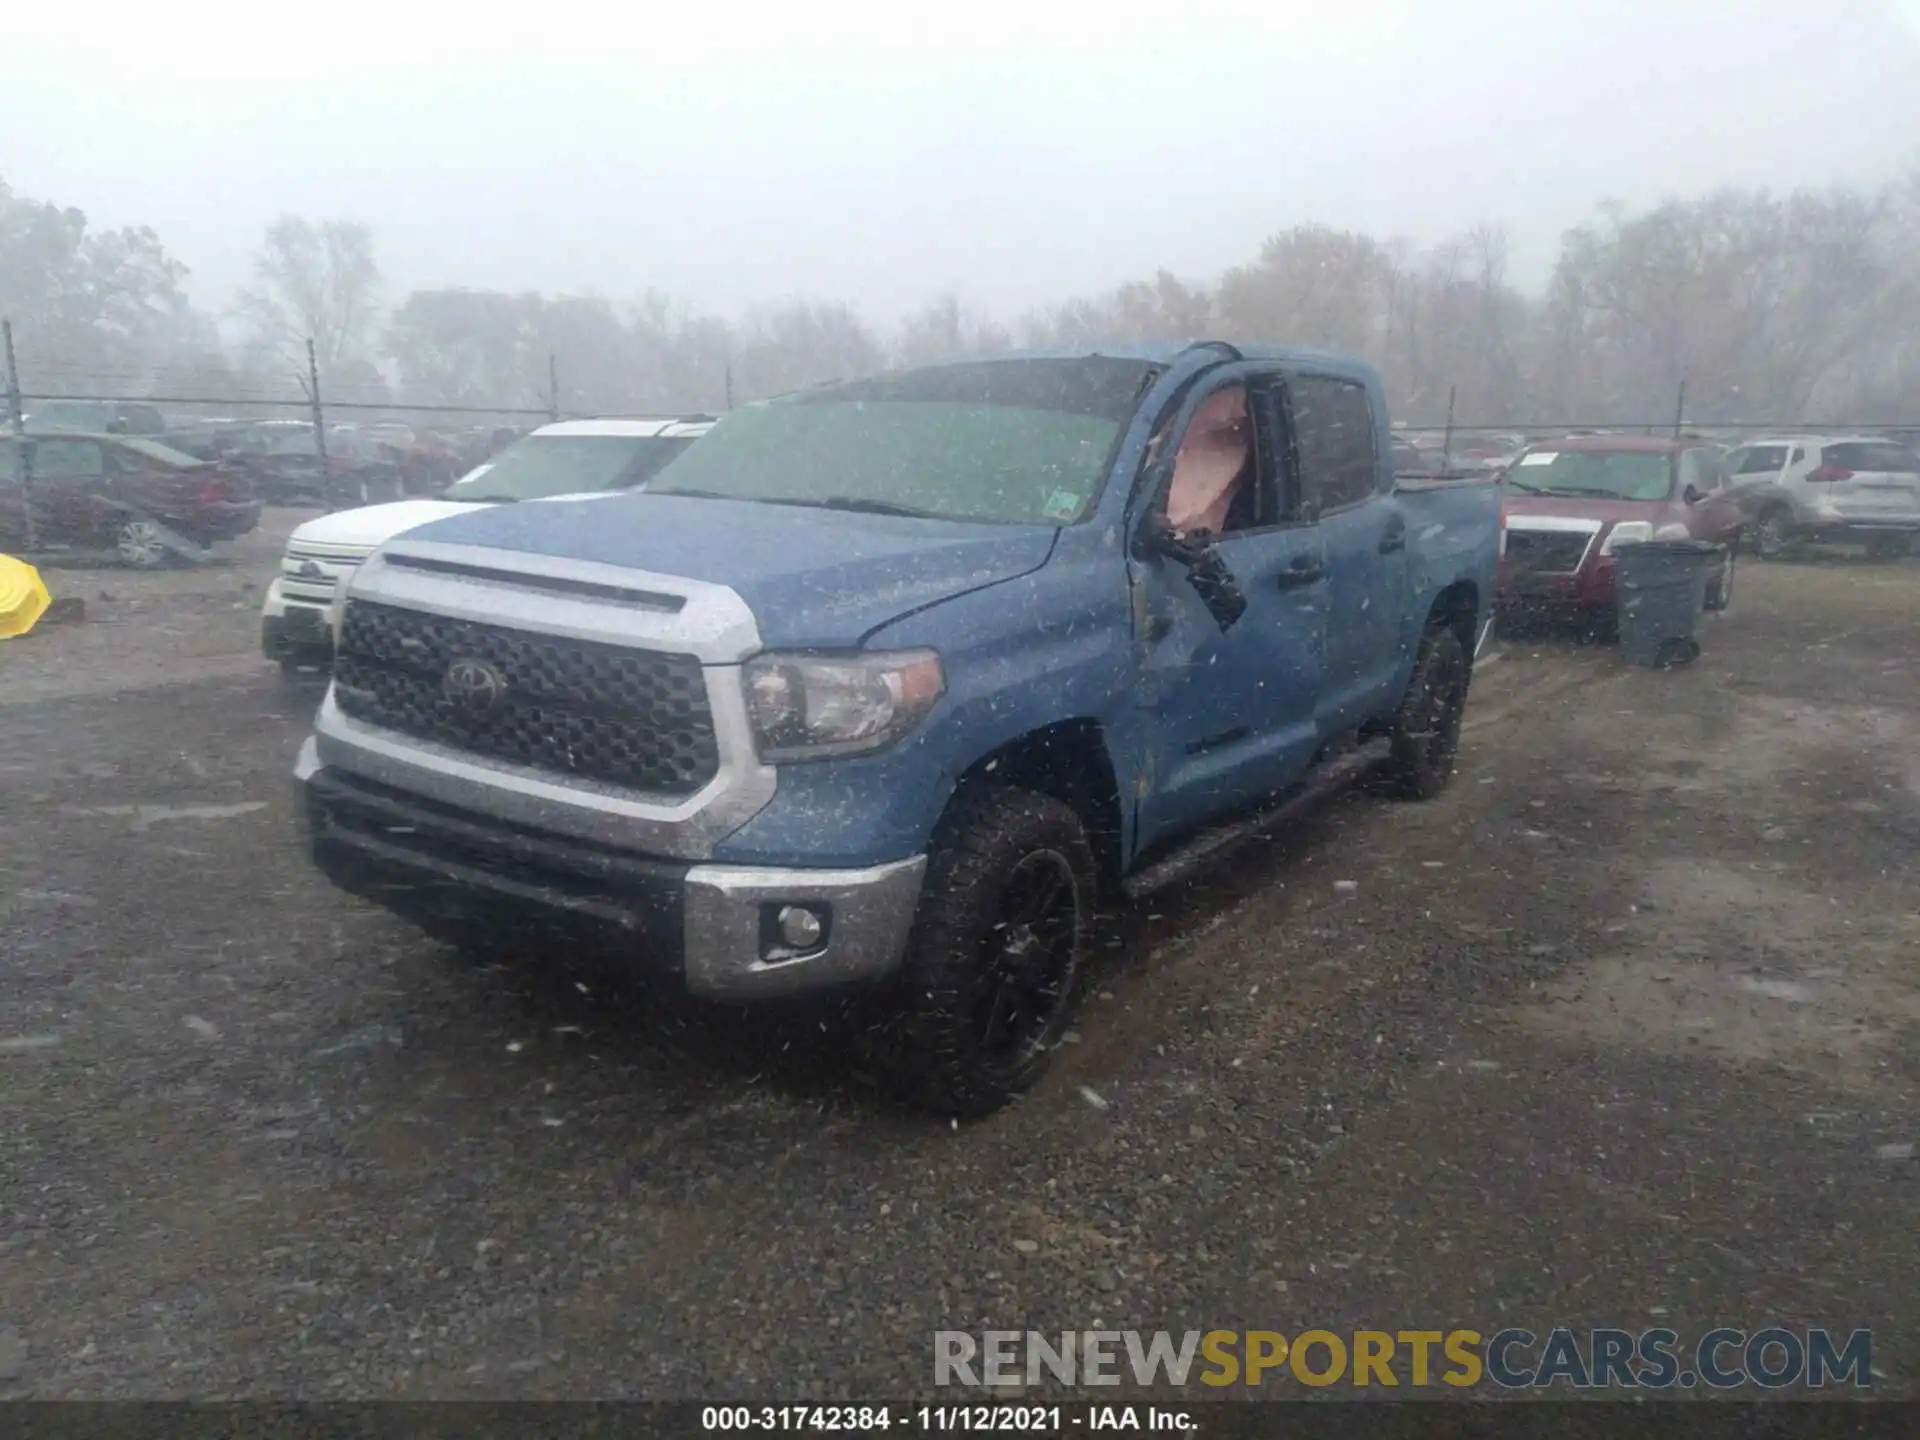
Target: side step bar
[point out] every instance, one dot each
(1333, 775)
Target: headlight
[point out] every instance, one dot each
(1627, 532)
(811, 707)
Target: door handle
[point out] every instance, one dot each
(1393, 540)
(1303, 571)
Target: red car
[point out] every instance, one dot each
(124, 493)
(1572, 503)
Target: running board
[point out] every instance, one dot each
(1332, 775)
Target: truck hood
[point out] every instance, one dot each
(372, 525)
(812, 577)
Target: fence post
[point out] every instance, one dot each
(553, 387)
(729, 376)
(19, 418)
(1680, 409)
(1446, 445)
(313, 401)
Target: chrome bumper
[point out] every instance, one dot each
(869, 915)
(713, 925)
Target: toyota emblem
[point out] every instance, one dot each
(310, 571)
(474, 686)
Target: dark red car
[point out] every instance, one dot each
(1572, 503)
(134, 496)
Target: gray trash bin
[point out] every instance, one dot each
(1660, 589)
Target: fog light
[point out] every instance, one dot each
(800, 927)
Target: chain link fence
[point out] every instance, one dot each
(345, 446)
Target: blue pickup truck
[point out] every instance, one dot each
(884, 685)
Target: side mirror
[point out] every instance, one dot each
(1692, 495)
(1206, 571)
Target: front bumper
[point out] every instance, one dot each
(1591, 587)
(711, 927)
(293, 629)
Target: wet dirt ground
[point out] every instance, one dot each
(1618, 1031)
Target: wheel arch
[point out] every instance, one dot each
(1069, 760)
(1457, 607)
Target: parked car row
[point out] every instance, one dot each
(142, 499)
(873, 689)
(362, 464)
(572, 458)
(1573, 502)
(1862, 489)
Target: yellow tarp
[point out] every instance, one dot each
(23, 597)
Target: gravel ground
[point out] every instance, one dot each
(1619, 1031)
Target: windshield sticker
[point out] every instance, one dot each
(1063, 505)
(1540, 457)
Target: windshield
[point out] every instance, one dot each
(1615, 475)
(165, 454)
(544, 465)
(1017, 442)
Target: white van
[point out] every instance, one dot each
(569, 459)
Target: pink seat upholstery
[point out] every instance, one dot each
(1209, 464)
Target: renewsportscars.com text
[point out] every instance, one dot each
(1658, 1359)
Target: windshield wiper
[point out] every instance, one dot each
(1522, 485)
(483, 499)
(872, 507)
(858, 503)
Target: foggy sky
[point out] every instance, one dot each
(1019, 153)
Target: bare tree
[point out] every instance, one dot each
(1311, 286)
(802, 344)
(1163, 308)
(91, 308)
(318, 282)
(944, 328)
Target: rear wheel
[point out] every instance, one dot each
(141, 544)
(1773, 535)
(988, 982)
(1426, 728)
(1889, 547)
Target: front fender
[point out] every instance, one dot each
(1046, 647)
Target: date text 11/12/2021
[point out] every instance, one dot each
(935, 1419)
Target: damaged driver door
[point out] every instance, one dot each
(1230, 629)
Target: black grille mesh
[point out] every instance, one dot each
(636, 718)
(1551, 552)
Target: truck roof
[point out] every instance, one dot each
(1171, 352)
(642, 429)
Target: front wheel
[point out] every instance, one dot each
(1720, 588)
(987, 985)
(1773, 536)
(1426, 729)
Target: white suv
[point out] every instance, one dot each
(569, 460)
(1861, 489)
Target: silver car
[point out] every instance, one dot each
(1859, 489)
